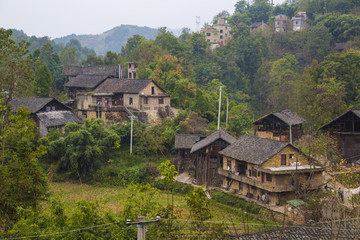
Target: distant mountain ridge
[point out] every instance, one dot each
(111, 40)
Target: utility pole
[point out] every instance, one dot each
(141, 226)
(131, 132)
(227, 112)
(219, 108)
(290, 134)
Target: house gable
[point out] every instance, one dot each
(297, 156)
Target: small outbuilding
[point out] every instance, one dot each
(48, 113)
(283, 126)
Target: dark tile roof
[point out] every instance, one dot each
(219, 134)
(85, 81)
(287, 116)
(91, 70)
(335, 229)
(114, 85)
(356, 112)
(186, 141)
(34, 104)
(253, 149)
(57, 118)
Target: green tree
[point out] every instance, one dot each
(68, 56)
(51, 59)
(22, 182)
(132, 43)
(86, 149)
(43, 81)
(240, 119)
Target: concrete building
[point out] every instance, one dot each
(218, 34)
(282, 23)
(298, 21)
(268, 171)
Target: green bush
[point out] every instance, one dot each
(233, 201)
(180, 188)
(116, 175)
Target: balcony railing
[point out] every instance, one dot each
(256, 183)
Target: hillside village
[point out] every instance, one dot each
(247, 129)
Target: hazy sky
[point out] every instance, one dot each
(57, 18)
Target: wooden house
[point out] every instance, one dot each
(281, 126)
(206, 158)
(48, 113)
(183, 145)
(346, 131)
(266, 170)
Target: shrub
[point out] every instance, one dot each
(227, 199)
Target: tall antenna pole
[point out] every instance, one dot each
(131, 132)
(227, 112)
(219, 108)
(197, 23)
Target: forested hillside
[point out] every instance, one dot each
(111, 40)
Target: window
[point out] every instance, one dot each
(130, 101)
(291, 156)
(134, 75)
(208, 34)
(283, 159)
(152, 90)
(130, 75)
(146, 100)
(225, 27)
(225, 34)
(221, 36)
(129, 65)
(249, 173)
(268, 177)
(48, 109)
(161, 100)
(254, 172)
(221, 31)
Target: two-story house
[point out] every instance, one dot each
(48, 113)
(266, 170)
(133, 96)
(282, 23)
(345, 129)
(298, 21)
(281, 126)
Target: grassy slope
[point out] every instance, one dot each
(112, 198)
